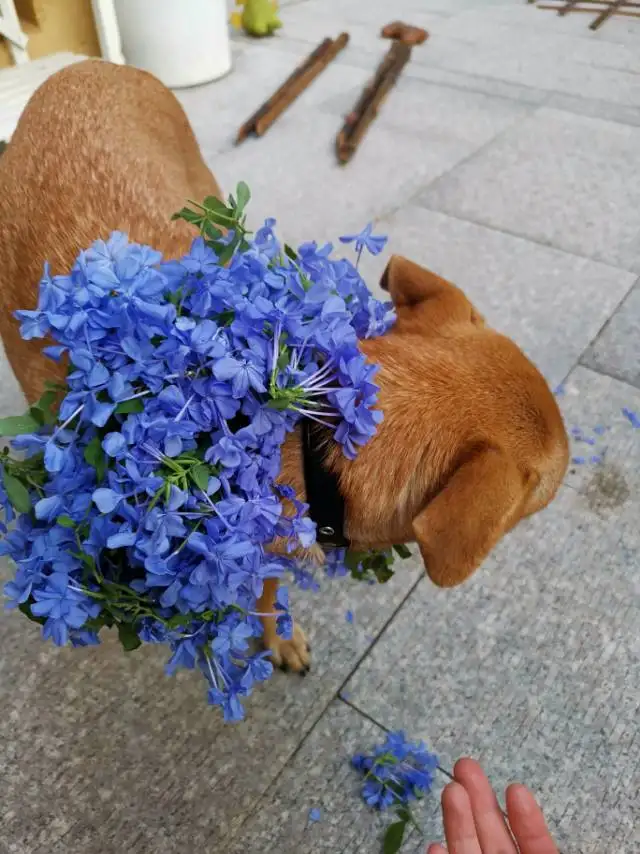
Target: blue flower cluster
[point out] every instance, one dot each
(147, 493)
(397, 772)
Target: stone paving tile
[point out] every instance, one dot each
(96, 738)
(593, 402)
(542, 181)
(538, 33)
(295, 177)
(594, 108)
(552, 303)
(527, 667)
(477, 83)
(556, 57)
(616, 351)
(320, 777)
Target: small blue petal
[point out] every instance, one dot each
(632, 417)
(106, 500)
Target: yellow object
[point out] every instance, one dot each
(258, 17)
(55, 25)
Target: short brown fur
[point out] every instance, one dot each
(472, 439)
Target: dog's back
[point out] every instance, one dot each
(99, 147)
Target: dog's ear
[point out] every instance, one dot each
(466, 519)
(406, 282)
(411, 286)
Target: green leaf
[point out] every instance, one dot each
(402, 551)
(393, 837)
(244, 194)
(129, 406)
(213, 205)
(17, 492)
(225, 254)
(128, 637)
(212, 233)
(25, 608)
(94, 624)
(283, 359)
(18, 425)
(384, 575)
(41, 410)
(94, 456)
(290, 253)
(194, 217)
(179, 620)
(65, 521)
(200, 475)
(354, 559)
(279, 403)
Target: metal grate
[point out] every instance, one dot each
(602, 9)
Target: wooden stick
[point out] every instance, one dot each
(300, 83)
(292, 87)
(602, 17)
(624, 12)
(366, 109)
(405, 33)
(249, 126)
(569, 6)
(557, 4)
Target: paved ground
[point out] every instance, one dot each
(509, 161)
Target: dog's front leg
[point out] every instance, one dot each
(287, 654)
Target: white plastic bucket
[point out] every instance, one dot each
(182, 42)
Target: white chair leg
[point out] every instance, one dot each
(12, 31)
(104, 14)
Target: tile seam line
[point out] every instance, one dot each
(316, 720)
(599, 373)
(604, 326)
(412, 201)
(611, 375)
(547, 93)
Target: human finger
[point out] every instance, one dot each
(527, 822)
(491, 827)
(459, 827)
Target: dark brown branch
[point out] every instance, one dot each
(606, 13)
(604, 9)
(292, 87)
(366, 109)
(407, 33)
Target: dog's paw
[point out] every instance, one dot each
(291, 654)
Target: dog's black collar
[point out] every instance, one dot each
(326, 504)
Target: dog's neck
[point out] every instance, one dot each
(305, 467)
(322, 486)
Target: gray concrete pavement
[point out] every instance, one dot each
(508, 159)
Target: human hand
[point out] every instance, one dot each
(475, 824)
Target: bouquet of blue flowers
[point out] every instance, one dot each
(146, 492)
(396, 774)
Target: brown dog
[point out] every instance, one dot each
(472, 440)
